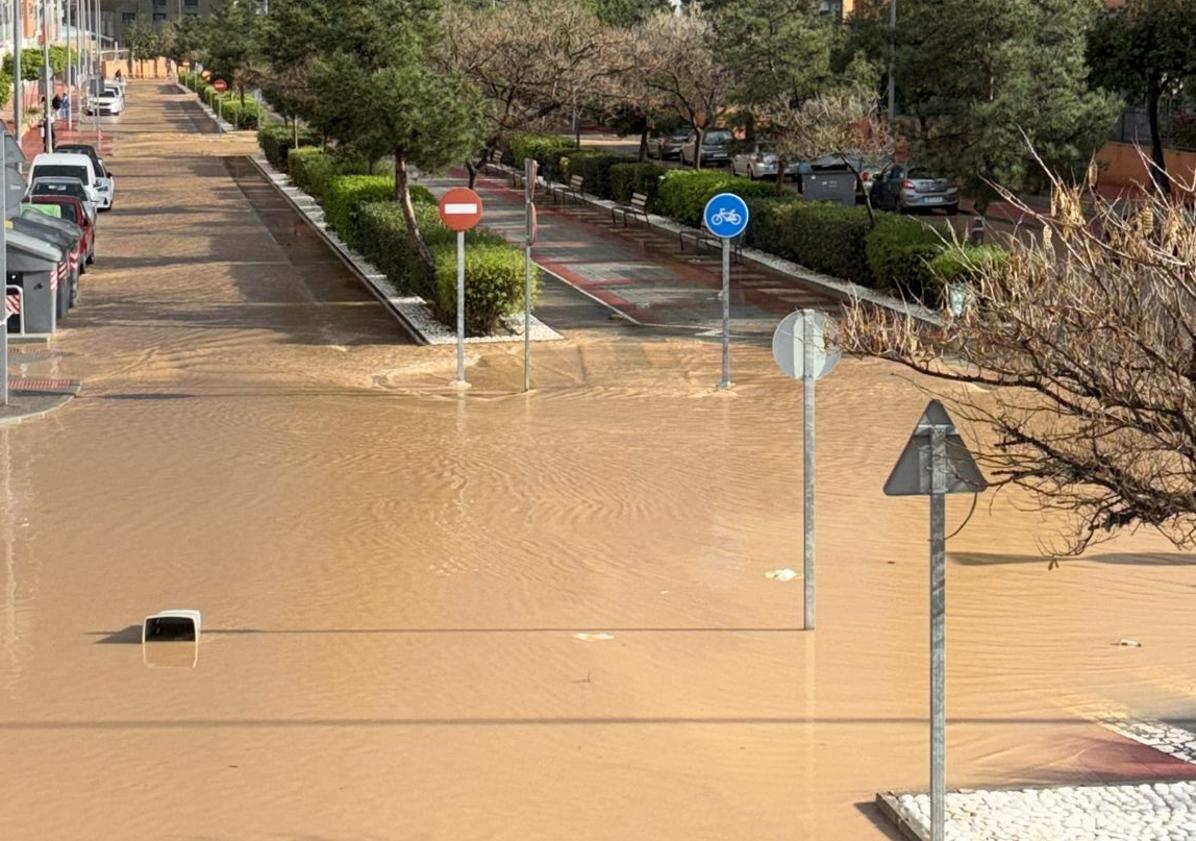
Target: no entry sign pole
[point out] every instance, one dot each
(726, 216)
(460, 210)
(934, 463)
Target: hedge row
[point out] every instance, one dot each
(547, 149)
(277, 142)
(243, 115)
(361, 208)
(684, 193)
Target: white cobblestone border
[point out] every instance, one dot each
(1141, 812)
(842, 288)
(412, 311)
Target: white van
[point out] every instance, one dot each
(72, 165)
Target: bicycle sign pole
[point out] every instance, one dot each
(726, 216)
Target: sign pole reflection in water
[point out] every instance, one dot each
(801, 350)
(530, 171)
(934, 463)
(726, 216)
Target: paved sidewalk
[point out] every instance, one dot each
(639, 271)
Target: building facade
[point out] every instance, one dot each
(119, 15)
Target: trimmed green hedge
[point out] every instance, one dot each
(593, 165)
(899, 251)
(626, 179)
(823, 236)
(276, 141)
(493, 285)
(684, 193)
(242, 116)
(545, 148)
(343, 194)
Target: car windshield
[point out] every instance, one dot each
(43, 170)
(57, 188)
(714, 138)
(922, 172)
(111, 92)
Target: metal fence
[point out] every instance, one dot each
(1133, 126)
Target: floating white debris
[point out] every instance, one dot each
(781, 574)
(593, 637)
(1128, 643)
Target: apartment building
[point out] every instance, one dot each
(119, 15)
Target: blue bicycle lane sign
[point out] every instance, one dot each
(726, 215)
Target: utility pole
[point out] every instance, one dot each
(892, 63)
(18, 29)
(47, 77)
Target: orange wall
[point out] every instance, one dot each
(1121, 165)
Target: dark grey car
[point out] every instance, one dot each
(716, 147)
(667, 144)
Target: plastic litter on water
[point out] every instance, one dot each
(781, 574)
(593, 637)
(1128, 643)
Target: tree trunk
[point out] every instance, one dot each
(403, 196)
(780, 176)
(472, 169)
(698, 148)
(644, 143)
(295, 128)
(1158, 172)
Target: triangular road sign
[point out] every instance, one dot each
(912, 474)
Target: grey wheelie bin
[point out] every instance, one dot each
(31, 263)
(63, 235)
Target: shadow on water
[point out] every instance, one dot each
(1149, 559)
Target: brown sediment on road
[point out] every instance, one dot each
(498, 616)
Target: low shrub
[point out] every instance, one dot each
(899, 251)
(344, 194)
(964, 263)
(593, 165)
(277, 140)
(626, 179)
(545, 148)
(243, 115)
(494, 276)
(823, 236)
(684, 193)
(310, 168)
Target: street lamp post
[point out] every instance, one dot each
(892, 62)
(18, 15)
(47, 77)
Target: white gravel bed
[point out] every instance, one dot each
(413, 310)
(1147, 812)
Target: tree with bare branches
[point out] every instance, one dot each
(843, 122)
(1078, 356)
(674, 56)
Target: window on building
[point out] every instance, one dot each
(159, 4)
(190, 2)
(159, 16)
(128, 17)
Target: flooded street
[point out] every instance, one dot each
(496, 616)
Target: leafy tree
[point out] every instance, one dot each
(232, 42)
(142, 40)
(1017, 71)
(1146, 50)
(628, 13)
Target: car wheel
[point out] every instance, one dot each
(91, 257)
(75, 292)
(952, 209)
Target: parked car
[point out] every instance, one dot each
(667, 144)
(64, 187)
(68, 165)
(867, 169)
(716, 147)
(72, 210)
(759, 161)
(110, 102)
(906, 187)
(105, 182)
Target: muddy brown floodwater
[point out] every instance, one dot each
(495, 616)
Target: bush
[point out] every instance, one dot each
(241, 115)
(626, 179)
(964, 264)
(822, 236)
(493, 286)
(276, 141)
(684, 193)
(1183, 131)
(899, 252)
(342, 196)
(593, 165)
(545, 148)
(310, 168)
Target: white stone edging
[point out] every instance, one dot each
(411, 310)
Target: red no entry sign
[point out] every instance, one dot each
(461, 208)
(220, 85)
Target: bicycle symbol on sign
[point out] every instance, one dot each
(726, 216)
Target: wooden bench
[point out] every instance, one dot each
(703, 236)
(572, 189)
(493, 161)
(637, 207)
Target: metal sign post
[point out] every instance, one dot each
(49, 77)
(460, 210)
(726, 216)
(801, 350)
(530, 170)
(934, 463)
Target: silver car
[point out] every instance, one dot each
(906, 187)
(668, 144)
(760, 161)
(716, 147)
